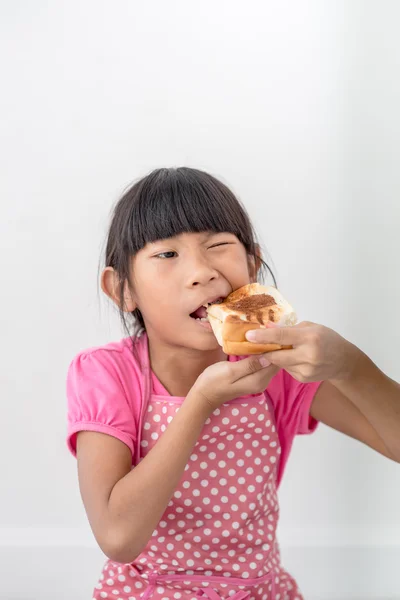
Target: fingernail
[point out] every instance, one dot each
(264, 362)
(251, 335)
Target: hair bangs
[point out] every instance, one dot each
(173, 202)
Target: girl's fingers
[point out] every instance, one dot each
(248, 366)
(256, 382)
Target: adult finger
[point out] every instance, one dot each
(285, 358)
(284, 336)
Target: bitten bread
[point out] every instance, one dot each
(250, 307)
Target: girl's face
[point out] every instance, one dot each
(173, 278)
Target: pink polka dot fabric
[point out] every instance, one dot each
(217, 536)
(221, 521)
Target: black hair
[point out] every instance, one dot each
(166, 203)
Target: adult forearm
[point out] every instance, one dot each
(378, 397)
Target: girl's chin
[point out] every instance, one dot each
(205, 338)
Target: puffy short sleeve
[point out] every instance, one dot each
(295, 403)
(291, 402)
(97, 399)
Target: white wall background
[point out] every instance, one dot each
(294, 104)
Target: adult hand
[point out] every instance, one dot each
(318, 353)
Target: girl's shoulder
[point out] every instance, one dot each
(104, 391)
(116, 366)
(124, 355)
(119, 347)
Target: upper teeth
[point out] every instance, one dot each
(215, 302)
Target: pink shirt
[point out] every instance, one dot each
(105, 389)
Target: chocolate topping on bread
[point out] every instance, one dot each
(250, 307)
(251, 302)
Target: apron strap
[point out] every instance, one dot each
(146, 393)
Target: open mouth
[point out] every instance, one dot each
(201, 313)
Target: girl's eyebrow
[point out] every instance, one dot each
(208, 234)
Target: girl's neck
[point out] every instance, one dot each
(177, 368)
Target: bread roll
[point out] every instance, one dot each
(250, 307)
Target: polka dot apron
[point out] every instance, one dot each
(216, 538)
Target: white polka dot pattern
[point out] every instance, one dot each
(221, 522)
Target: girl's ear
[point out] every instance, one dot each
(255, 264)
(111, 286)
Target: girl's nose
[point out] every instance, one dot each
(201, 273)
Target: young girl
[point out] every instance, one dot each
(180, 448)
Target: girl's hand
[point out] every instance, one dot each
(225, 380)
(318, 353)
